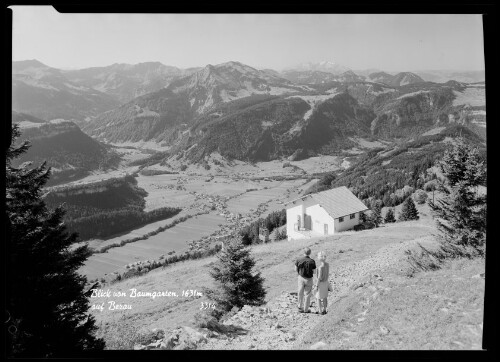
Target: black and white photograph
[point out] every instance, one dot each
(245, 181)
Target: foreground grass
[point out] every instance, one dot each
(122, 328)
(440, 309)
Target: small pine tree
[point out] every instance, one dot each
(47, 306)
(461, 214)
(408, 211)
(376, 216)
(236, 284)
(389, 216)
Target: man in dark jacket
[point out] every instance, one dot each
(305, 266)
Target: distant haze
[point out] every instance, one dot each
(386, 42)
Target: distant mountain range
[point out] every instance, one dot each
(319, 77)
(323, 66)
(442, 76)
(242, 112)
(47, 93)
(126, 81)
(160, 115)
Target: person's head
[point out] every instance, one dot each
(321, 256)
(307, 251)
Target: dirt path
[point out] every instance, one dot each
(278, 325)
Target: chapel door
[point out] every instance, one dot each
(326, 229)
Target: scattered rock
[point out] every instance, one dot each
(349, 333)
(186, 338)
(139, 347)
(167, 343)
(384, 330)
(154, 345)
(319, 345)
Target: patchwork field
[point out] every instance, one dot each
(250, 201)
(173, 239)
(225, 192)
(177, 238)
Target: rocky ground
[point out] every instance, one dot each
(278, 324)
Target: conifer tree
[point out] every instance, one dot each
(461, 214)
(408, 211)
(47, 311)
(389, 216)
(235, 283)
(376, 216)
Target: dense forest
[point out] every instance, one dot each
(106, 208)
(105, 224)
(391, 174)
(71, 153)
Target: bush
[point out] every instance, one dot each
(358, 227)
(364, 226)
(420, 196)
(205, 319)
(229, 314)
(281, 235)
(183, 167)
(431, 185)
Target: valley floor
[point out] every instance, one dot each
(222, 197)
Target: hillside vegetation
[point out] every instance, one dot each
(106, 208)
(383, 173)
(67, 150)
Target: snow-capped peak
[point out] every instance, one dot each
(323, 66)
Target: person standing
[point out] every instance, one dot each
(305, 266)
(321, 285)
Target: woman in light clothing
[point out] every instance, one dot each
(321, 285)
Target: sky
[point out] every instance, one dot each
(277, 41)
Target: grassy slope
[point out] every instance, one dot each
(440, 309)
(122, 328)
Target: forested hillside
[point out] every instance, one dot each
(105, 208)
(71, 153)
(390, 174)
